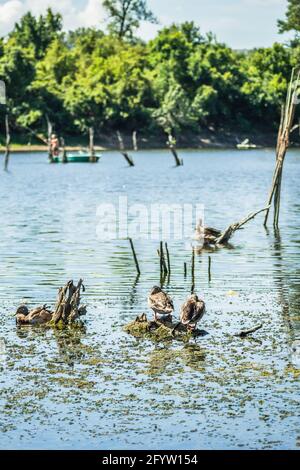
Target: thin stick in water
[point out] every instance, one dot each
(135, 257)
(168, 258)
(123, 151)
(49, 129)
(209, 268)
(193, 271)
(171, 144)
(163, 261)
(64, 152)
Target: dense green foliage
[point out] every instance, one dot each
(179, 80)
(292, 21)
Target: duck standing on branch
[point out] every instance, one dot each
(191, 312)
(161, 304)
(37, 316)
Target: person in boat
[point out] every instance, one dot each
(54, 143)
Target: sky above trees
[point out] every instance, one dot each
(240, 23)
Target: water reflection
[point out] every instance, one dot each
(69, 345)
(244, 391)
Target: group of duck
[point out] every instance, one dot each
(162, 305)
(159, 301)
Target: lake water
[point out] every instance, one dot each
(100, 388)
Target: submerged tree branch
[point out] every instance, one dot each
(225, 236)
(244, 333)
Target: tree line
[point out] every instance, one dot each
(182, 79)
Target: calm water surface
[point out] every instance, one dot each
(100, 388)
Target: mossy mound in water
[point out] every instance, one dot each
(141, 327)
(60, 325)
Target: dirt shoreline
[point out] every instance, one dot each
(188, 140)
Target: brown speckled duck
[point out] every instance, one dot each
(161, 303)
(192, 311)
(37, 316)
(207, 235)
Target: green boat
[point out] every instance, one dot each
(77, 158)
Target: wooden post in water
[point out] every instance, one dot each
(123, 151)
(135, 257)
(134, 141)
(209, 268)
(163, 260)
(7, 143)
(185, 269)
(283, 141)
(49, 131)
(91, 145)
(193, 271)
(64, 152)
(171, 144)
(168, 258)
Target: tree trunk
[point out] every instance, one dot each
(283, 142)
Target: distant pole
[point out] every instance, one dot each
(7, 144)
(49, 130)
(172, 146)
(91, 144)
(135, 257)
(209, 268)
(193, 271)
(185, 269)
(123, 151)
(162, 258)
(134, 141)
(64, 152)
(168, 258)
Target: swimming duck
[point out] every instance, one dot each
(206, 234)
(192, 311)
(161, 303)
(37, 316)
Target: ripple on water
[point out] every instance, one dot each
(97, 387)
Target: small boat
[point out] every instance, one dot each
(77, 158)
(245, 145)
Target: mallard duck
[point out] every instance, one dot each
(161, 303)
(192, 311)
(37, 316)
(207, 235)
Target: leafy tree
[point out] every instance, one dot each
(175, 110)
(181, 80)
(292, 21)
(267, 72)
(37, 33)
(126, 15)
